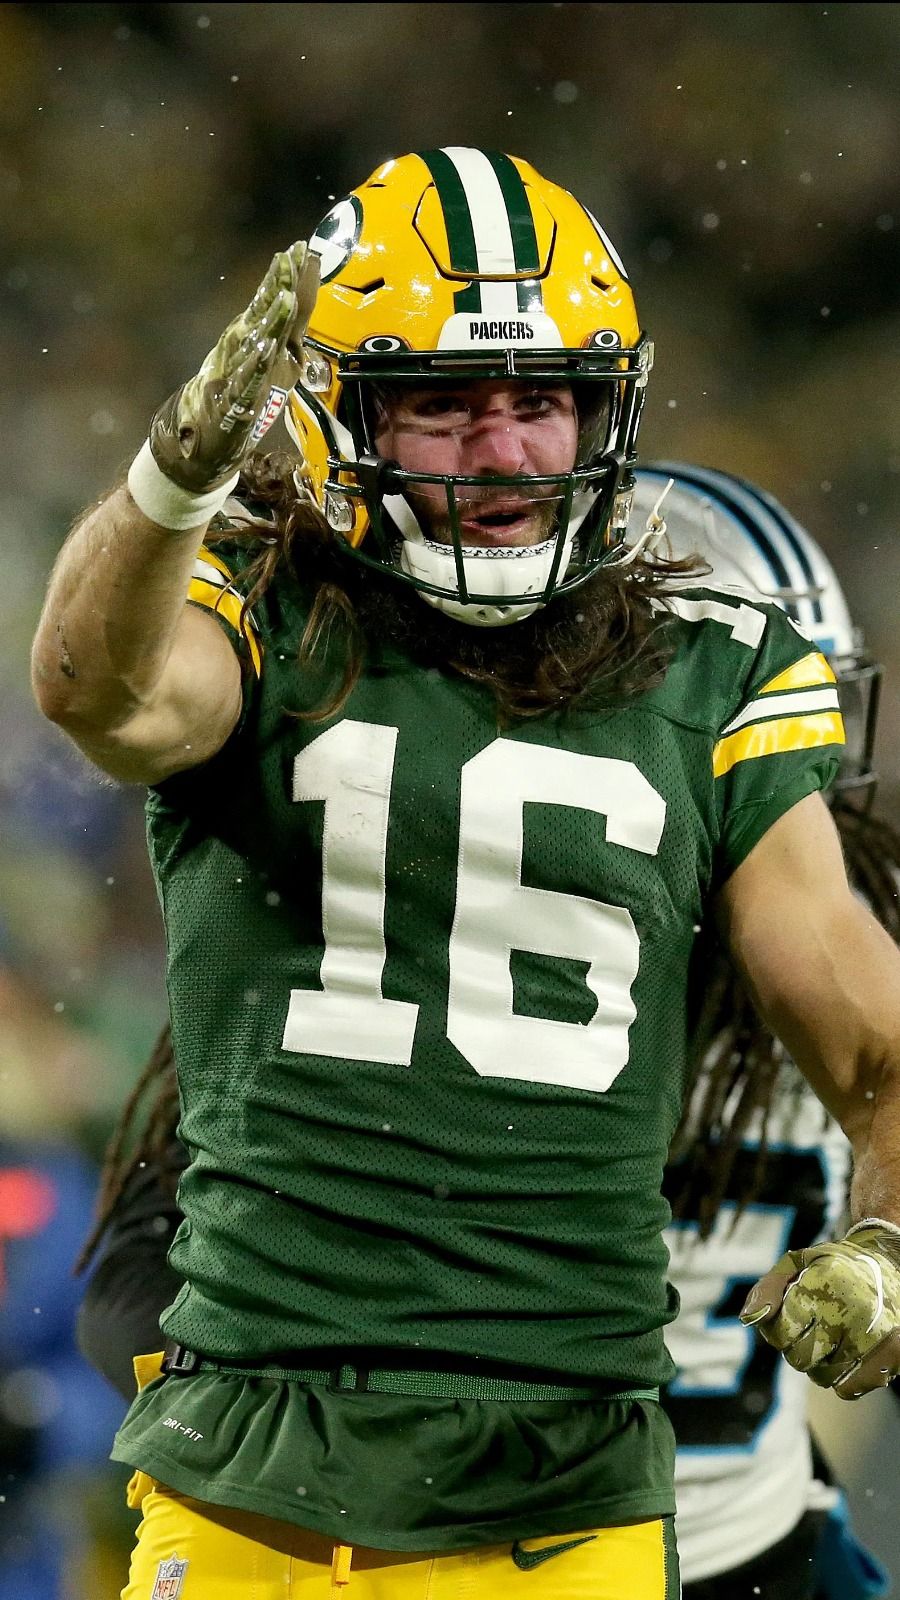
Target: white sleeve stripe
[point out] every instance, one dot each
(209, 573)
(487, 209)
(776, 705)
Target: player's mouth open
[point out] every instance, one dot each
(509, 523)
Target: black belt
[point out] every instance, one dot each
(429, 1384)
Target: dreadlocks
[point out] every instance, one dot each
(735, 1064)
(154, 1143)
(872, 853)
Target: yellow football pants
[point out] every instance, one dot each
(188, 1550)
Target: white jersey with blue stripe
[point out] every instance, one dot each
(743, 1469)
(751, 542)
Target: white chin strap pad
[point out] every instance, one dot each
(496, 570)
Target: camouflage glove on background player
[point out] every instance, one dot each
(202, 433)
(833, 1310)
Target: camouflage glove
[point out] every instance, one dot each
(833, 1310)
(202, 433)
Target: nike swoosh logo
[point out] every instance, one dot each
(525, 1560)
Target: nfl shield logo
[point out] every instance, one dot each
(269, 414)
(169, 1579)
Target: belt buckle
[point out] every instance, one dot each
(349, 1378)
(179, 1360)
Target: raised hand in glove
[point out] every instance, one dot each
(833, 1310)
(201, 434)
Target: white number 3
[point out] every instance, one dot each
(350, 767)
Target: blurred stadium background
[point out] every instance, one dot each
(745, 160)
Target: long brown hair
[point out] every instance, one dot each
(604, 642)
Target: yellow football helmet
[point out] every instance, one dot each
(460, 264)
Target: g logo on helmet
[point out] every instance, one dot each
(336, 237)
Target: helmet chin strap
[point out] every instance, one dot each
(494, 570)
(654, 531)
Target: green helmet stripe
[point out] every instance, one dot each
(521, 222)
(468, 299)
(458, 222)
(455, 206)
(459, 190)
(528, 293)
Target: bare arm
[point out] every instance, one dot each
(145, 684)
(826, 977)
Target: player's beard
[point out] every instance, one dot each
(395, 615)
(540, 518)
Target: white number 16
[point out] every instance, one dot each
(350, 767)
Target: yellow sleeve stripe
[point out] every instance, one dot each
(776, 738)
(805, 674)
(228, 605)
(205, 554)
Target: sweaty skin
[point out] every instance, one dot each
(484, 428)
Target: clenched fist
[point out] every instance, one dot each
(202, 433)
(833, 1310)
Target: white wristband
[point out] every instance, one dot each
(164, 502)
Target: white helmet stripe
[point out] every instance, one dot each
(490, 227)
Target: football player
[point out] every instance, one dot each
(431, 875)
(757, 1164)
(753, 1518)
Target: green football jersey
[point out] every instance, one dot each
(428, 986)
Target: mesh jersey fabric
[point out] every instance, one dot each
(428, 994)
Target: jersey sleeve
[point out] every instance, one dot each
(216, 586)
(781, 742)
